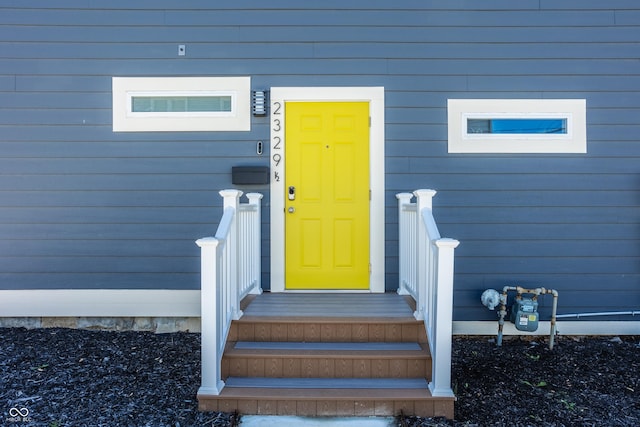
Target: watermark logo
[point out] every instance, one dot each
(18, 415)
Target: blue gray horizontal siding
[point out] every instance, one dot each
(83, 207)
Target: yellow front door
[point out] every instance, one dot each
(327, 195)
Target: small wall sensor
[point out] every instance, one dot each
(182, 50)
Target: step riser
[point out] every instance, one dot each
(325, 368)
(319, 407)
(328, 332)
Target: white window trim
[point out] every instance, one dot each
(573, 110)
(124, 120)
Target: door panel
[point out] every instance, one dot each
(327, 223)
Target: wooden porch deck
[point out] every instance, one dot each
(388, 306)
(346, 354)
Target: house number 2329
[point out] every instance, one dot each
(276, 139)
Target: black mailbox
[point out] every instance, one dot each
(250, 175)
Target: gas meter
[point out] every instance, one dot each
(524, 311)
(524, 314)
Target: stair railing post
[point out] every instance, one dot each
(424, 200)
(255, 242)
(210, 315)
(440, 384)
(231, 199)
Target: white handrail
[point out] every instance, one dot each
(230, 270)
(426, 273)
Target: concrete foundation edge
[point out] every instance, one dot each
(157, 325)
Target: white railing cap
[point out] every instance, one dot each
(207, 241)
(403, 196)
(425, 192)
(446, 242)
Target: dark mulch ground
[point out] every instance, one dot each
(581, 382)
(66, 377)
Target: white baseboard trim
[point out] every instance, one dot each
(186, 303)
(631, 327)
(99, 303)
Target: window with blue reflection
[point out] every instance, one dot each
(517, 126)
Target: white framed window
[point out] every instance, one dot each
(517, 125)
(181, 104)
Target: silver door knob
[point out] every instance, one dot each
(291, 209)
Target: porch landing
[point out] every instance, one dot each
(388, 306)
(333, 354)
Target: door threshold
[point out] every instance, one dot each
(325, 291)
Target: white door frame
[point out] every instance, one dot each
(375, 97)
